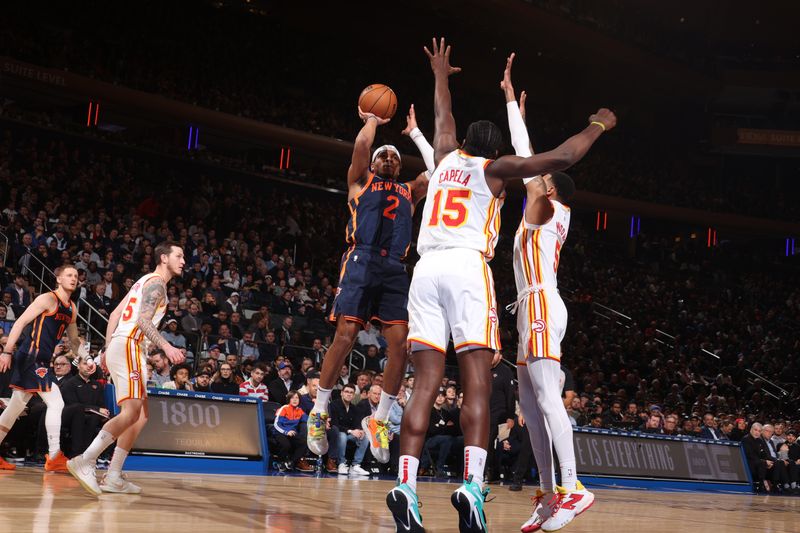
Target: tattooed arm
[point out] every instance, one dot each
(154, 294)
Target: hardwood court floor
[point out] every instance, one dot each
(31, 500)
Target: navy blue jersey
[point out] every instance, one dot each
(380, 217)
(39, 338)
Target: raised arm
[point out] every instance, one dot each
(567, 154)
(444, 137)
(360, 162)
(424, 147)
(42, 304)
(154, 293)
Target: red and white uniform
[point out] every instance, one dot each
(452, 291)
(541, 314)
(126, 355)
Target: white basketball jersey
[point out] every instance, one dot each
(460, 209)
(537, 250)
(127, 326)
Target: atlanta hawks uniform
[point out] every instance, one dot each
(126, 356)
(541, 314)
(452, 290)
(31, 369)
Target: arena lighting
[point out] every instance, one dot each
(286, 154)
(94, 108)
(712, 237)
(604, 216)
(790, 248)
(194, 135)
(636, 225)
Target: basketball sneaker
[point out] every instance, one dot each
(58, 463)
(468, 500)
(317, 437)
(5, 465)
(118, 483)
(84, 472)
(404, 505)
(568, 505)
(542, 510)
(378, 432)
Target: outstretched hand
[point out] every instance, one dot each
(366, 116)
(411, 121)
(505, 83)
(440, 59)
(522, 98)
(606, 117)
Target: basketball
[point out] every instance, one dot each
(379, 100)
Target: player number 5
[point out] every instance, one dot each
(129, 309)
(455, 212)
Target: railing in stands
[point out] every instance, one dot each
(4, 240)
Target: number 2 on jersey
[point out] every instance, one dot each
(394, 201)
(129, 309)
(454, 214)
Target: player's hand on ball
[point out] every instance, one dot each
(411, 121)
(174, 355)
(440, 58)
(606, 117)
(366, 116)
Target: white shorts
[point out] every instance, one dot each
(541, 323)
(127, 365)
(452, 293)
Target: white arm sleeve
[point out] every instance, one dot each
(519, 133)
(425, 149)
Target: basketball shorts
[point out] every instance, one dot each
(452, 294)
(127, 365)
(30, 373)
(372, 286)
(541, 323)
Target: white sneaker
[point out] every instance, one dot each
(85, 474)
(343, 469)
(567, 506)
(356, 470)
(542, 510)
(118, 483)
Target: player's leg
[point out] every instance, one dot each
(545, 375)
(55, 459)
(15, 407)
(114, 481)
(376, 426)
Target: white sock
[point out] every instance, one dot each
(321, 403)
(52, 419)
(102, 441)
(474, 462)
(569, 477)
(382, 413)
(407, 470)
(117, 460)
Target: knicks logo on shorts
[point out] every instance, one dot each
(41, 371)
(538, 326)
(135, 375)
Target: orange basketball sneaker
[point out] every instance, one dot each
(378, 433)
(5, 465)
(57, 463)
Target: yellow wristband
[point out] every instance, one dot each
(599, 124)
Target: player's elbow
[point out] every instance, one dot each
(565, 159)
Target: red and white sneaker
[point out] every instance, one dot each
(567, 505)
(542, 507)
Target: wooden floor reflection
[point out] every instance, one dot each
(31, 500)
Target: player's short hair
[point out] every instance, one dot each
(164, 248)
(563, 184)
(484, 139)
(63, 267)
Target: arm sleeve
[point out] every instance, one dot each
(425, 149)
(519, 133)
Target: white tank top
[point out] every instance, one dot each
(537, 250)
(460, 209)
(127, 326)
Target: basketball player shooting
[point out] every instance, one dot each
(41, 326)
(542, 322)
(452, 291)
(373, 284)
(133, 323)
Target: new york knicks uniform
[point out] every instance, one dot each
(31, 372)
(126, 356)
(373, 283)
(541, 313)
(452, 290)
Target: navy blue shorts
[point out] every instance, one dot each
(30, 374)
(371, 287)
